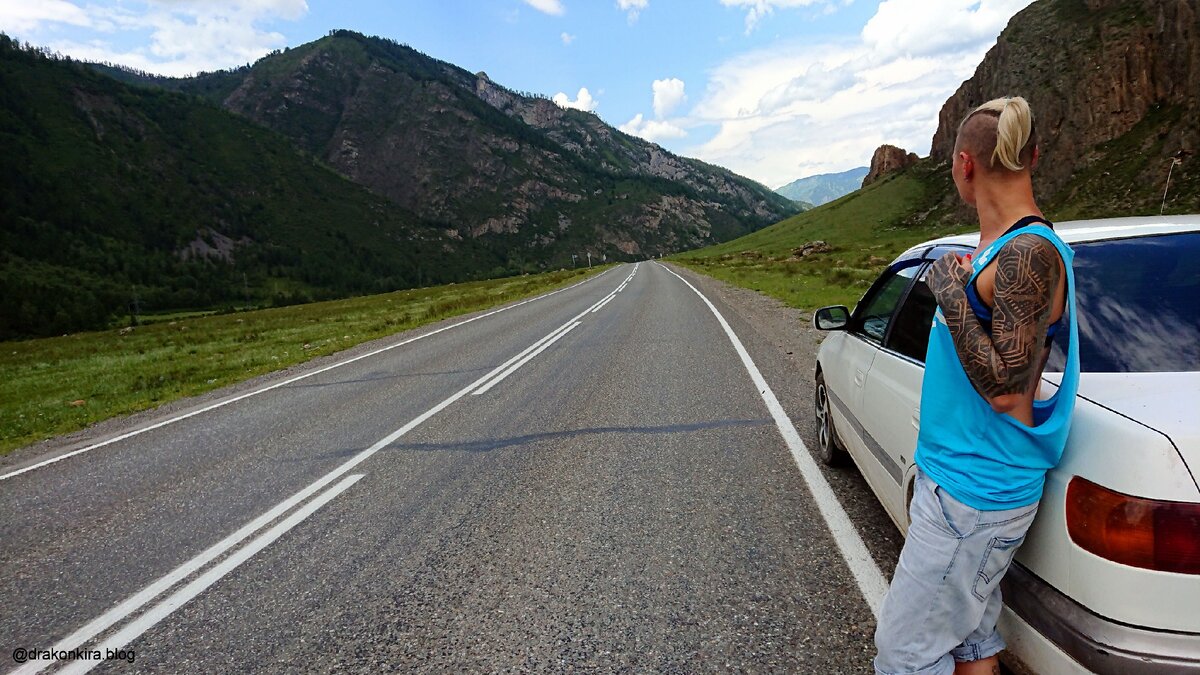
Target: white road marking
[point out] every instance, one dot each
(144, 596)
(277, 385)
(513, 368)
(870, 580)
(601, 305)
(549, 337)
(175, 601)
(553, 336)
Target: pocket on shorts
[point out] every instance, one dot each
(959, 519)
(996, 559)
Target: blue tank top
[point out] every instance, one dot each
(985, 459)
(982, 311)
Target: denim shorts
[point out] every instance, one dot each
(944, 599)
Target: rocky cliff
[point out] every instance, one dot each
(1115, 89)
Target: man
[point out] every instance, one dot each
(985, 443)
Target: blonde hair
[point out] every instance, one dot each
(1014, 137)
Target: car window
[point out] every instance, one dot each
(1138, 302)
(910, 328)
(877, 313)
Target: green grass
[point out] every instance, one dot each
(57, 385)
(865, 230)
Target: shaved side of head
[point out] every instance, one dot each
(977, 135)
(999, 135)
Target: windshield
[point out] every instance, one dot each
(1139, 305)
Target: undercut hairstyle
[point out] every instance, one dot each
(1001, 129)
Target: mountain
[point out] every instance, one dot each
(114, 197)
(528, 179)
(824, 188)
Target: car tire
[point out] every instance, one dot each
(829, 451)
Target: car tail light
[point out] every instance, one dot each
(1147, 533)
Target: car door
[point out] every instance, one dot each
(892, 392)
(864, 339)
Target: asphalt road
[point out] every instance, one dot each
(621, 500)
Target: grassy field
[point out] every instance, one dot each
(864, 231)
(57, 385)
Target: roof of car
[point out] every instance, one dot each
(1078, 231)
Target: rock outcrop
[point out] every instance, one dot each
(887, 159)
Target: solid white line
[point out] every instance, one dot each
(197, 586)
(513, 368)
(256, 392)
(870, 580)
(601, 305)
(134, 602)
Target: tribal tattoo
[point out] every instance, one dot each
(1009, 359)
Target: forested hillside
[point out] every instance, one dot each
(116, 199)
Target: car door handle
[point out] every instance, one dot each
(916, 418)
(859, 377)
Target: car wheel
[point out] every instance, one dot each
(828, 450)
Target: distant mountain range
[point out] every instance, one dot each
(123, 191)
(824, 188)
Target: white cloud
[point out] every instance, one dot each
(791, 111)
(668, 94)
(632, 8)
(19, 16)
(652, 130)
(554, 7)
(583, 100)
(567, 38)
(919, 27)
(757, 9)
(185, 36)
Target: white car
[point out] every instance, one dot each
(1108, 579)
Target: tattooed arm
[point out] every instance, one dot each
(1007, 361)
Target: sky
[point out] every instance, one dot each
(772, 89)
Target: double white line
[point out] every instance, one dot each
(145, 620)
(160, 611)
(554, 336)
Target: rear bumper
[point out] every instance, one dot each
(1100, 645)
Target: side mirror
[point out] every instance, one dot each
(834, 317)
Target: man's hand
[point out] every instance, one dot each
(1008, 360)
(948, 272)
